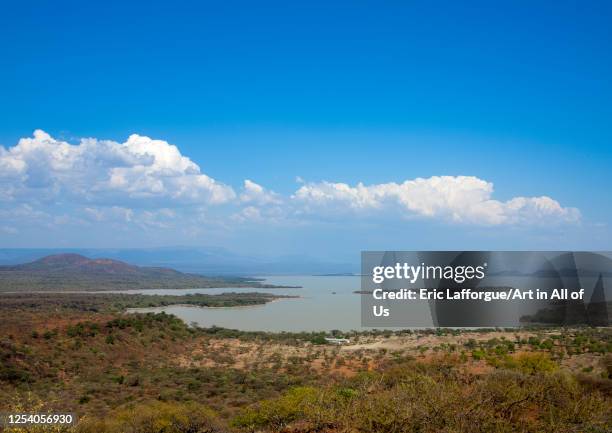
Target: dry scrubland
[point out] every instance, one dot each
(152, 373)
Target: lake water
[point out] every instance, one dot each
(325, 303)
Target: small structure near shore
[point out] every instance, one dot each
(333, 340)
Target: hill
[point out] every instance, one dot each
(67, 272)
(199, 260)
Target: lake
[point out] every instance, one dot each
(325, 303)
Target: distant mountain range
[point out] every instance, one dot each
(200, 260)
(66, 272)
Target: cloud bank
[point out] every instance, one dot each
(140, 170)
(149, 183)
(461, 199)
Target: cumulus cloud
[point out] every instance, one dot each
(111, 213)
(255, 193)
(248, 214)
(101, 171)
(462, 199)
(149, 183)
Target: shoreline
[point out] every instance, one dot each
(131, 310)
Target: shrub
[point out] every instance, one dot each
(477, 355)
(531, 363)
(155, 417)
(277, 413)
(428, 398)
(607, 364)
(14, 374)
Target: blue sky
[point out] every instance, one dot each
(514, 94)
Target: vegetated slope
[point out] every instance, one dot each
(141, 372)
(119, 302)
(76, 272)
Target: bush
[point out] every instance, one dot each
(478, 354)
(13, 374)
(530, 363)
(155, 417)
(428, 398)
(607, 364)
(277, 413)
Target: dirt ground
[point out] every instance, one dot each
(344, 359)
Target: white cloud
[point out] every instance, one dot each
(463, 199)
(99, 171)
(149, 183)
(122, 217)
(248, 214)
(254, 193)
(111, 213)
(23, 212)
